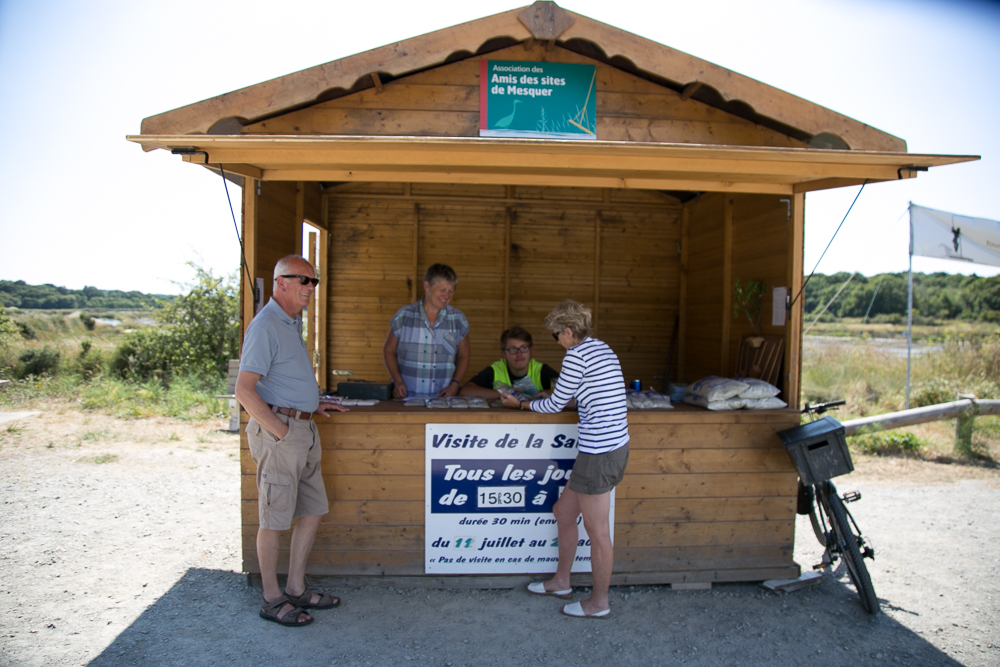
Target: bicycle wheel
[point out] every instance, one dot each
(849, 546)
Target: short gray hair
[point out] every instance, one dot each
(438, 272)
(285, 263)
(572, 314)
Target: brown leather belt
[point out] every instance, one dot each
(291, 412)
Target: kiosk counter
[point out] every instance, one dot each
(707, 496)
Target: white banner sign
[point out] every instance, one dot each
(948, 236)
(489, 491)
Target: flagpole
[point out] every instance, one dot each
(909, 314)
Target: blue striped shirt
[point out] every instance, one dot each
(591, 372)
(426, 354)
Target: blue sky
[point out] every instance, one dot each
(81, 206)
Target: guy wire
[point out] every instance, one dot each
(803, 288)
(243, 256)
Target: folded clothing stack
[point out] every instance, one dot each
(719, 393)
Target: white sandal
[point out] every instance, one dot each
(538, 588)
(575, 609)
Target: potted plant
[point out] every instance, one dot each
(748, 296)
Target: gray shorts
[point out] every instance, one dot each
(289, 477)
(594, 474)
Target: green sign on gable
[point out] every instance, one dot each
(537, 100)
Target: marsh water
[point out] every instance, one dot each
(895, 346)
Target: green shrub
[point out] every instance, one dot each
(932, 392)
(198, 334)
(206, 323)
(88, 321)
(27, 331)
(144, 354)
(8, 329)
(38, 362)
(886, 443)
(89, 362)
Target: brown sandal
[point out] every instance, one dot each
(269, 612)
(304, 601)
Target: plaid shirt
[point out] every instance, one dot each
(426, 354)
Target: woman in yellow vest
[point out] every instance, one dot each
(517, 369)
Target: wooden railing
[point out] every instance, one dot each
(964, 410)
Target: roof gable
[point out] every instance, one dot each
(444, 102)
(804, 122)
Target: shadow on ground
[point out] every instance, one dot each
(209, 617)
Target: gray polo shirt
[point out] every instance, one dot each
(274, 349)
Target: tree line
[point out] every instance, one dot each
(19, 294)
(195, 336)
(882, 297)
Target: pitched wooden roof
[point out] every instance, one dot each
(266, 131)
(546, 21)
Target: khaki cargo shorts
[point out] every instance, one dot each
(289, 478)
(594, 474)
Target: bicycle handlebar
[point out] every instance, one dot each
(820, 408)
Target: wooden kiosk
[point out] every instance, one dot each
(697, 176)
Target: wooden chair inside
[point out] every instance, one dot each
(760, 357)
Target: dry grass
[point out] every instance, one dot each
(65, 427)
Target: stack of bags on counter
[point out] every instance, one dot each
(646, 400)
(719, 393)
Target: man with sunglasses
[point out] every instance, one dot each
(278, 389)
(517, 368)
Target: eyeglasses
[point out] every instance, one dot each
(556, 335)
(515, 350)
(303, 280)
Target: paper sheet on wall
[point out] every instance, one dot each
(778, 295)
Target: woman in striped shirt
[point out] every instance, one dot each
(592, 375)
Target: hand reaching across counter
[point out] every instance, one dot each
(324, 409)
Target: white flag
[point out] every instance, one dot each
(949, 236)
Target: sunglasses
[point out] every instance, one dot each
(303, 280)
(556, 335)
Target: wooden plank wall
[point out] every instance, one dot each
(444, 101)
(706, 497)
(705, 312)
(275, 229)
(270, 232)
(761, 227)
(615, 249)
(757, 249)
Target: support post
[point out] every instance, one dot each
(248, 284)
(964, 424)
(311, 310)
(909, 316)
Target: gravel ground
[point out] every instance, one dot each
(135, 560)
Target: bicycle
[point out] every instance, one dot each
(820, 452)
